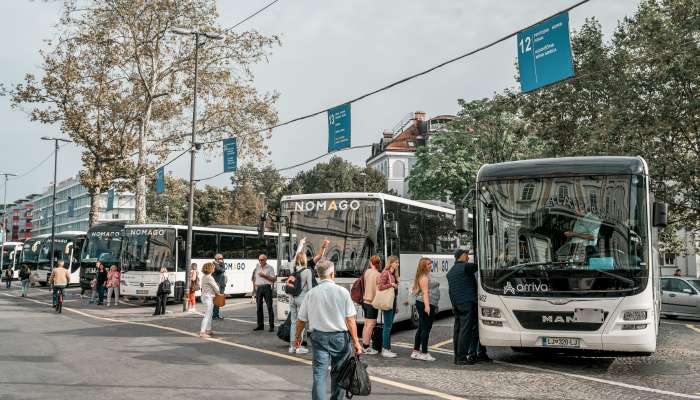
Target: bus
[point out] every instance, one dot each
(12, 254)
(30, 252)
(148, 247)
(565, 249)
(360, 225)
(67, 247)
(103, 242)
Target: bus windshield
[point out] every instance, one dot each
(30, 251)
(148, 249)
(352, 226)
(565, 236)
(58, 250)
(8, 252)
(104, 246)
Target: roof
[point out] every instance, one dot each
(565, 166)
(198, 228)
(108, 225)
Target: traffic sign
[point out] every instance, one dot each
(230, 155)
(160, 180)
(544, 53)
(339, 127)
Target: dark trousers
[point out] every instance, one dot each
(425, 324)
(161, 301)
(465, 338)
(215, 313)
(100, 293)
(264, 292)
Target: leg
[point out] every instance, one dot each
(55, 296)
(340, 350)
(460, 336)
(101, 294)
(427, 327)
(421, 322)
(258, 304)
(270, 309)
(110, 290)
(208, 310)
(165, 302)
(386, 332)
(116, 296)
(321, 361)
(293, 319)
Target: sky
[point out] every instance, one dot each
(331, 51)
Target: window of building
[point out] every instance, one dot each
(528, 192)
(593, 197)
(563, 193)
(398, 170)
(668, 259)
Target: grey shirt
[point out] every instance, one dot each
(267, 270)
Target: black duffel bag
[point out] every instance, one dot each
(353, 377)
(284, 330)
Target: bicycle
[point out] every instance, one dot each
(59, 299)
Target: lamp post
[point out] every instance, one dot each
(190, 211)
(4, 219)
(53, 199)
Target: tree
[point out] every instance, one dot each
(266, 183)
(172, 203)
(213, 206)
(337, 175)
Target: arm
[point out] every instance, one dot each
(352, 328)
(470, 268)
(384, 281)
(299, 328)
(423, 283)
(321, 251)
(268, 277)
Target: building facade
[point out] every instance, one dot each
(73, 208)
(19, 220)
(688, 261)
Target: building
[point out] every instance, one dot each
(73, 208)
(688, 261)
(19, 220)
(395, 155)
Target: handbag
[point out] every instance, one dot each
(353, 377)
(284, 331)
(384, 299)
(219, 299)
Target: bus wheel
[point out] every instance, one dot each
(413, 321)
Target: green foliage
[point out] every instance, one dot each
(337, 175)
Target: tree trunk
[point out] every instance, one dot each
(142, 168)
(94, 205)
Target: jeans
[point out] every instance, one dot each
(208, 302)
(100, 293)
(425, 324)
(463, 333)
(216, 308)
(329, 348)
(115, 291)
(161, 301)
(388, 317)
(56, 288)
(25, 286)
(265, 293)
(8, 282)
(294, 307)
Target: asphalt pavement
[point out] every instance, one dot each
(124, 352)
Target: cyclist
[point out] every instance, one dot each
(60, 278)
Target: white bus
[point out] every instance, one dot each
(12, 255)
(360, 225)
(148, 247)
(566, 256)
(67, 248)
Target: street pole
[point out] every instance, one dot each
(53, 199)
(4, 220)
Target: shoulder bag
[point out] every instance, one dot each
(353, 377)
(219, 299)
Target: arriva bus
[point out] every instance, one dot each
(147, 248)
(360, 225)
(67, 248)
(566, 256)
(103, 243)
(11, 257)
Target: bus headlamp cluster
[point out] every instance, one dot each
(490, 312)
(633, 327)
(634, 315)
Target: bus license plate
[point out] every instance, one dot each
(282, 298)
(572, 343)
(141, 291)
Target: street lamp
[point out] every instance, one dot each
(53, 200)
(193, 144)
(4, 219)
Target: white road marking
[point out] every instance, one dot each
(693, 327)
(439, 345)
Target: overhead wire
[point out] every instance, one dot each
(250, 16)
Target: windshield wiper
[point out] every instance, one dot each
(519, 267)
(617, 276)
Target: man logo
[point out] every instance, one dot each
(508, 288)
(558, 319)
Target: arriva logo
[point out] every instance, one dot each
(525, 287)
(331, 205)
(508, 289)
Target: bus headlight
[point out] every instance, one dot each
(490, 312)
(633, 327)
(491, 323)
(634, 315)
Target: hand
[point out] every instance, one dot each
(427, 309)
(569, 234)
(358, 347)
(325, 243)
(297, 343)
(394, 285)
(261, 274)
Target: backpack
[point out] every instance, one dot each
(284, 330)
(164, 287)
(353, 377)
(357, 291)
(296, 288)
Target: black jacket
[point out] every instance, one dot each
(461, 279)
(101, 277)
(219, 275)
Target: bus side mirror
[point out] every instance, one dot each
(660, 217)
(461, 218)
(68, 248)
(489, 220)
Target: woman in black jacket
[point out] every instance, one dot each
(24, 275)
(101, 277)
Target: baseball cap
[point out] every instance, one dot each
(459, 252)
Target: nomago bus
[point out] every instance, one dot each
(12, 254)
(360, 225)
(103, 243)
(148, 247)
(67, 248)
(30, 252)
(566, 255)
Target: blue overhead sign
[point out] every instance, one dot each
(160, 180)
(110, 200)
(544, 53)
(339, 127)
(71, 207)
(230, 155)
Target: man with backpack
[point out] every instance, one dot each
(298, 284)
(219, 276)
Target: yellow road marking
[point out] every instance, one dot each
(693, 327)
(438, 345)
(384, 381)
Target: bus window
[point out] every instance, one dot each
(231, 247)
(254, 247)
(204, 245)
(272, 248)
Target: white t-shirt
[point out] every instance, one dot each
(326, 306)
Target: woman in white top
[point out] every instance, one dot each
(209, 289)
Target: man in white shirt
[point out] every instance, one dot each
(329, 313)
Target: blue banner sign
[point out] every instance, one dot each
(160, 180)
(110, 200)
(230, 155)
(544, 53)
(71, 207)
(339, 127)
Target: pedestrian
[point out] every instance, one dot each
(24, 275)
(8, 277)
(388, 279)
(677, 272)
(329, 314)
(93, 290)
(194, 287)
(209, 289)
(263, 278)
(162, 292)
(371, 275)
(113, 278)
(427, 292)
(461, 279)
(303, 272)
(219, 276)
(59, 279)
(101, 281)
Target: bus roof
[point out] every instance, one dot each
(68, 234)
(367, 196)
(565, 166)
(198, 228)
(108, 225)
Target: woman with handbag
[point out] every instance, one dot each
(194, 286)
(209, 289)
(113, 278)
(385, 300)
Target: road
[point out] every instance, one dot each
(125, 353)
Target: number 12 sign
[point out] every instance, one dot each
(544, 53)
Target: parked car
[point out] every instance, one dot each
(680, 297)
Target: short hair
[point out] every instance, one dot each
(163, 269)
(113, 267)
(263, 256)
(60, 264)
(208, 268)
(217, 255)
(324, 269)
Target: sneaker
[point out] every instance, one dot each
(426, 357)
(386, 353)
(204, 335)
(369, 351)
(292, 350)
(415, 355)
(302, 350)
